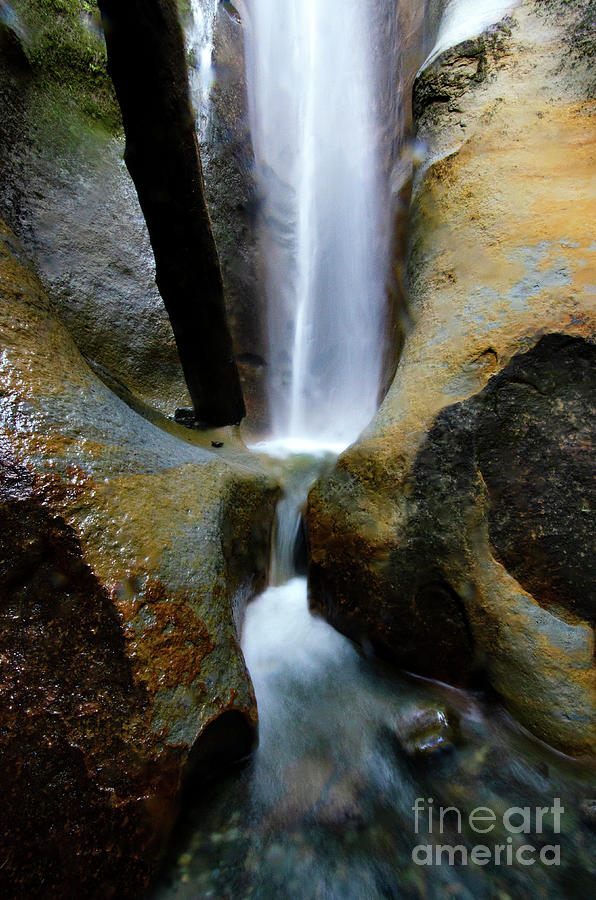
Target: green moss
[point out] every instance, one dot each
(64, 43)
(185, 10)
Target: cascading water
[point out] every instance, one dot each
(463, 19)
(324, 808)
(315, 121)
(315, 102)
(199, 42)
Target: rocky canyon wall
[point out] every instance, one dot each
(128, 552)
(65, 191)
(129, 544)
(456, 536)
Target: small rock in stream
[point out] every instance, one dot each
(423, 733)
(340, 808)
(185, 416)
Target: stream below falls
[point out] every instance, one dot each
(336, 802)
(324, 810)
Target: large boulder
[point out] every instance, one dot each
(457, 535)
(127, 552)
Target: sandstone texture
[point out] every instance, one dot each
(457, 535)
(127, 553)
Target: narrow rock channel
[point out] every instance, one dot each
(326, 807)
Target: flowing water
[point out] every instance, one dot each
(462, 19)
(352, 756)
(315, 121)
(199, 45)
(325, 809)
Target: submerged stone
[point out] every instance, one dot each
(423, 733)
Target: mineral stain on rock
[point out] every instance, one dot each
(76, 771)
(536, 445)
(127, 556)
(457, 534)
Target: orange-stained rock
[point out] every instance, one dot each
(457, 535)
(126, 555)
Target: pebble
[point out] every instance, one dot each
(424, 732)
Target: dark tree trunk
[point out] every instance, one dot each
(146, 60)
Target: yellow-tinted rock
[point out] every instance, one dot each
(458, 534)
(127, 555)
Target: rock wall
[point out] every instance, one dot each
(456, 535)
(231, 191)
(65, 191)
(128, 552)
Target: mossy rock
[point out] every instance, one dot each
(63, 41)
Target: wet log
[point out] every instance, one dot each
(147, 64)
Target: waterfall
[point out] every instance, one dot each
(324, 807)
(324, 231)
(199, 44)
(462, 19)
(319, 87)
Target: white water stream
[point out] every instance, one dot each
(463, 19)
(199, 44)
(324, 809)
(324, 227)
(314, 101)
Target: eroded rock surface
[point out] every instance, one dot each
(127, 553)
(457, 535)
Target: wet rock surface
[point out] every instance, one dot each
(535, 443)
(147, 64)
(456, 536)
(128, 552)
(228, 163)
(65, 191)
(423, 733)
